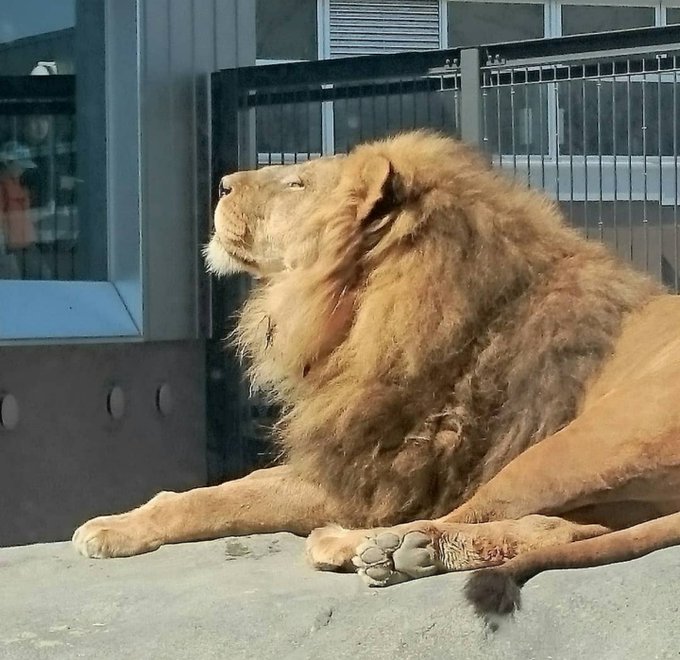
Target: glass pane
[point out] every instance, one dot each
(37, 30)
(473, 23)
(392, 107)
(672, 16)
(52, 167)
(515, 119)
(623, 118)
(286, 30)
(578, 19)
(287, 132)
(38, 195)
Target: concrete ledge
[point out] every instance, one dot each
(254, 597)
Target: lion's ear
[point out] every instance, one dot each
(380, 193)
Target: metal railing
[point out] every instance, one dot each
(591, 119)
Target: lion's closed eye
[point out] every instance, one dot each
(294, 183)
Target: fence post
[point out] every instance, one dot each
(225, 443)
(471, 97)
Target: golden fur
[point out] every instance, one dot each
(438, 338)
(476, 321)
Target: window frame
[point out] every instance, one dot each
(44, 310)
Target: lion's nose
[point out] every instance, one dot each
(224, 188)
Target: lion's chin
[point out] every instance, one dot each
(221, 262)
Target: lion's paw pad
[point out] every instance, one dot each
(389, 558)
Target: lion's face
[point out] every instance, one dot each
(342, 215)
(265, 222)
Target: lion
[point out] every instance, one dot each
(465, 381)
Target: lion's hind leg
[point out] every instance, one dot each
(496, 591)
(388, 556)
(422, 549)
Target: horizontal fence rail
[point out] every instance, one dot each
(591, 119)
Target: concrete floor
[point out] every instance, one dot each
(254, 597)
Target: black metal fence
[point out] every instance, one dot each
(592, 120)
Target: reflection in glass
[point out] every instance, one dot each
(42, 194)
(391, 108)
(623, 117)
(579, 19)
(286, 30)
(474, 23)
(38, 217)
(515, 118)
(287, 132)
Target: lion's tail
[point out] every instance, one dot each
(496, 591)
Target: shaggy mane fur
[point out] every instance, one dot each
(450, 321)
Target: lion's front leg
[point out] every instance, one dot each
(270, 500)
(392, 555)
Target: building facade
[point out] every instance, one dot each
(291, 30)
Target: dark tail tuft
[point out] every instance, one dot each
(493, 592)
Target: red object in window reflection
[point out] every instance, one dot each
(14, 208)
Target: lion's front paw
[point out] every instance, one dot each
(390, 558)
(111, 536)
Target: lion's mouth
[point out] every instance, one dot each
(240, 256)
(224, 258)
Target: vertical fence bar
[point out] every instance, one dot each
(645, 181)
(282, 136)
(513, 122)
(223, 396)
(676, 264)
(584, 142)
(527, 123)
(543, 120)
(308, 122)
(600, 221)
(659, 146)
(616, 163)
(553, 106)
(485, 111)
(629, 132)
(374, 120)
(570, 137)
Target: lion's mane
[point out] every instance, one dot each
(450, 321)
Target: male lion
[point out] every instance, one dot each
(466, 382)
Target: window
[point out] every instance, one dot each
(579, 19)
(672, 16)
(66, 152)
(52, 175)
(473, 23)
(286, 30)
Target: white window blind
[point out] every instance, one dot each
(365, 27)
